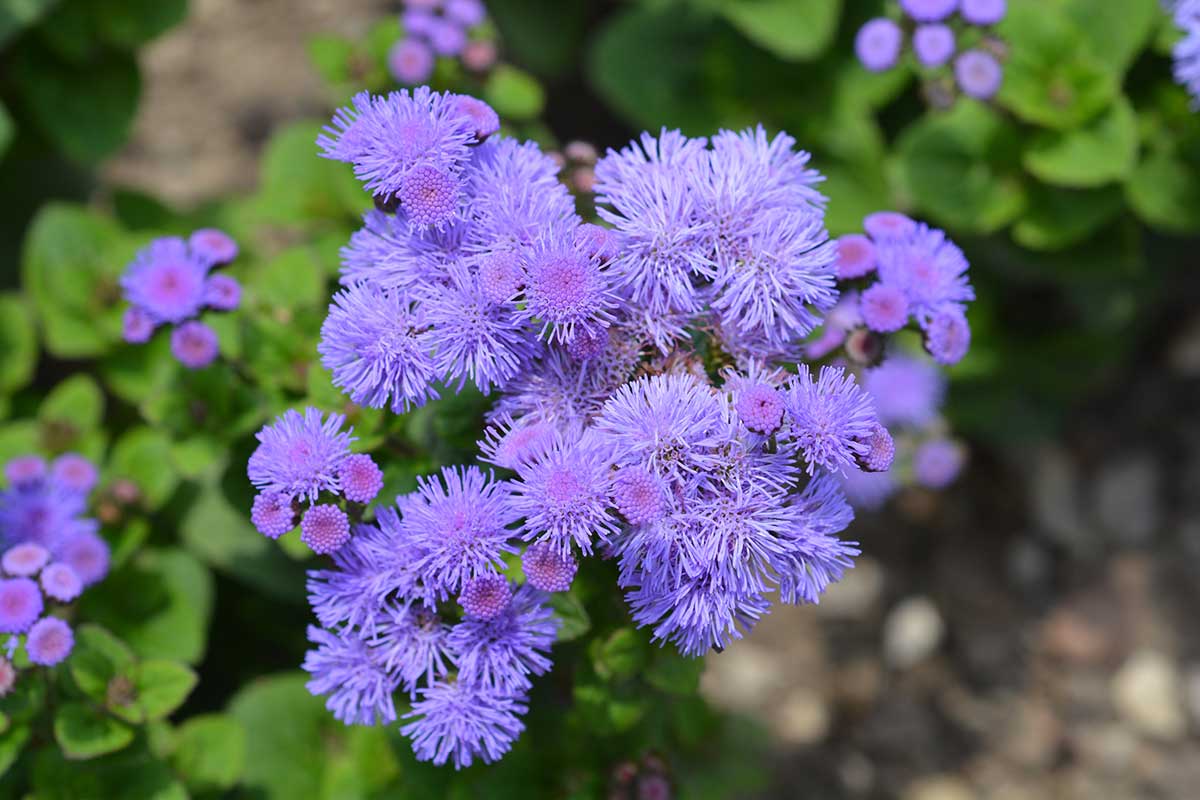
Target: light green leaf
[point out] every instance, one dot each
(12, 742)
(18, 342)
(1115, 32)
(298, 185)
(143, 455)
(1103, 151)
(84, 732)
(160, 687)
(293, 279)
(76, 402)
(794, 30)
(17, 15)
(515, 94)
(1164, 192)
(620, 655)
(210, 752)
(98, 658)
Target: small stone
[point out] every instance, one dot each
(856, 595)
(803, 718)
(742, 678)
(939, 787)
(912, 632)
(1147, 693)
(857, 773)
(1126, 498)
(1192, 688)
(1069, 635)
(1054, 491)
(1183, 355)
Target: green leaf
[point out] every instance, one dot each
(298, 185)
(794, 30)
(84, 732)
(159, 603)
(1164, 192)
(199, 456)
(132, 774)
(854, 191)
(132, 23)
(515, 94)
(671, 672)
(210, 752)
(160, 686)
(71, 261)
(98, 658)
(620, 655)
(143, 455)
(76, 402)
(293, 279)
(141, 374)
(625, 713)
(7, 129)
(331, 55)
(12, 742)
(572, 616)
(1103, 151)
(86, 109)
(1115, 32)
(17, 15)
(544, 35)
(961, 168)
(1058, 218)
(18, 439)
(18, 342)
(1051, 78)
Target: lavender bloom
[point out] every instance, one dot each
(510, 444)
(386, 137)
(324, 528)
(485, 597)
(1187, 50)
(410, 60)
(933, 44)
(563, 498)
(928, 10)
(360, 478)
(855, 257)
(948, 336)
(74, 473)
(20, 604)
(44, 513)
(137, 326)
(881, 450)
(467, 13)
(983, 12)
(49, 642)
(25, 560)
(389, 255)
(299, 456)
(457, 723)
(222, 292)
(212, 246)
(884, 308)
(878, 43)
(817, 558)
(459, 524)
(194, 344)
(885, 226)
(640, 495)
(411, 642)
(516, 197)
(482, 116)
(938, 462)
(547, 569)
(429, 197)
(868, 490)
(447, 37)
(978, 73)
(376, 344)
(343, 667)
(61, 583)
(830, 417)
(565, 288)
(166, 281)
(502, 653)
(418, 21)
(25, 471)
(929, 269)
(272, 514)
(906, 391)
(501, 276)
(84, 551)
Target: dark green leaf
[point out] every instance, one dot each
(160, 686)
(132, 23)
(12, 742)
(18, 342)
(98, 658)
(83, 732)
(1059, 218)
(671, 672)
(796, 30)
(17, 15)
(620, 655)
(544, 35)
(572, 616)
(132, 774)
(1164, 192)
(1103, 151)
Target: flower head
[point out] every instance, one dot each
(360, 478)
(410, 60)
(343, 667)
(137, 325)
(938, 462)
(194, 344)
(934, 44)
(881, 449)
(166, 281)
(85, 552)
(486, 596)
(411, 642)
(483, 117)
(272, 514)
(222, 292)
(548, 569)
(212, 246)
(564, 499)
(855, 256)
(565, 288)
(503, 651)
(324, 528)
(25, 560)
(74, 472)
(928, 10)
(983, 12)
(299, 456)
(458, 723)
(948, 336)
(906, 390)
(640, 495)
(877, 44)
(428, 196)
(884, 308)
(25, 471)
(978, 73)
(884, 226)
(831, 416)
(50, 641)
(501, 276)
(20, 604)
(61, 583)
(929, 269)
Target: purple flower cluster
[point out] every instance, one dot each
(170, 281)
(436, 28)
(1187, 49)
(654, 405)
(306, 458)
(938, 29)
(51, 554)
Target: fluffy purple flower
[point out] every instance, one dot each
(937, 463)
(376, 344)
(24, 471)
(884, 226)
(472, 337)
(166, 281)
(501, 276)
(589, 342)
(934, 44)
(759, 406)
(429, 196)
(324, 528)
(272, 514)
(418, 20)
(878, 43)
(343, 667)
(467, 13)
(598, 241)
(86, 553)
(884, 308)
(485, 597)
(817, 557)
(74, 472)
(928, 10)
(44, 513)
(983, 12)
(640, 495)
(906, 391)
(547, 569)
(137, 326)
(458, 723)
(517, 198)
(194, 344)
(1186, 52)
(410, 61)
(60, 582)
(830, 417)
(948, 336)
(565, 288)
(386, 137)
(212, 246)
(929, 269)
(20, 604)
(299, 456)
(855, 256)
(222, 292)
(483, 117)
(411, 642)
(49, 642)
(447, 37)
(502, 653)
(458, 522)
(510, 444)
(25, 560)
(881, 450)
(563, 498)
(978, 74)
(360, 478)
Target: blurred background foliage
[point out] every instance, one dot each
(1073, 196)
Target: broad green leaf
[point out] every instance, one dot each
(671, 672)
(132, 774)
(86, 109)
(98, 658)
(131, 23)
(12, 742)
(293, 279)
(1103, 151)
(159, 603)
(141, 374)
(332, 56)
(18, 342)
(620, 655)
(1058, 218)
(572, 616)
(77, 402)
(854, 191)
(626, 712)
(961, 168)
(198, 456)
(544, 35)
(210, 752)
(298, 185)
(19, 438)
(795, 30)
(1164, 192)
(143, 455)
(515, 94)
(17, 15)
(1051, 78)
(85, 732)
(1115, 32)
(160, 686)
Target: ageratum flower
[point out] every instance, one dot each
(516, 197)
(299, 456)
(25, 560)
(61, 583)
(345, 668)
(928, 268)
(983, 12)
(166, 281)
(928, 10)
(458, 723)
(938, 462)
(49, 642)
(502, 652)
(194, 344)
(933, 44)
(412, 643)
(410, 60)
(906, 390)
(978, 74)
(74, 473)
(563, 498)
(855, 257)
(830, 417)
(547, 569)
(20, 604)
(485, 597)
(817, 558)
(878, 44)
(360, 478)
